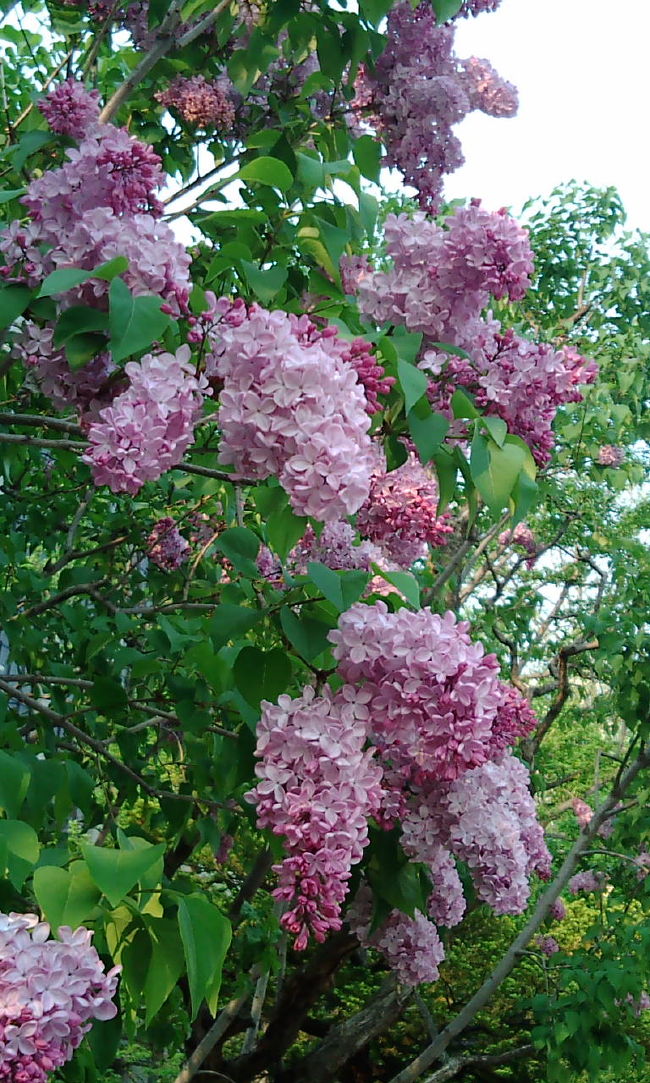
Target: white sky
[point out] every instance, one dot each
(582, 68)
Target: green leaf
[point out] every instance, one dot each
(15, 778)
(29, 144)
(307, 634)
(284, 528)
(166, 965)
(267, 170)
(524, 496)
(311, 171)
(107, 694)
(11, 193)
(264, 283)
(496, 428)
(81, 348)
(115, 872)
(448, 347)
(407, 344)
(446, 9)
(206, 935)
(414, 382)
(241, 547)
(134, 322)
(66, 897)
(67, 277)
(21, 850)
(367, 155)
(404, 582)
(13, 302)
(261, 674)
(341, 588)
(427, 429)
(462, 405)
(495, 470)
(77, 319)
(230, 622)
(446, 473)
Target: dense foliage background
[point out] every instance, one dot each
(135, 658)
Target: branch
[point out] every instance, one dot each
(221, 1024)
(100, 748)
(564, 688)
(511, 957)
(490, 1060)
(36, 441)
(35, 420)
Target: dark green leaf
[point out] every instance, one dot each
(21, 847)
(241, 547)
(13, 302)
(230, 622)
(367, 155)
(77, 319)
(15, 778)
(341, 588)
(428, 431)
(134, 322)
(307, 634)
(462, 405)
(414, 382)
(404, 582)
(446, 9)
(264, 283)
(261, 674)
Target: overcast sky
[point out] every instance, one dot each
(583, 72)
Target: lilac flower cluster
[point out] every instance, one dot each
(521, 535)
(586, 881)
(335, 547)
(50, 992)
(548, 945)
(293, 407)
(608, 455)
(411, 946)
(418, 91)
(166, 546)
(434, 695)
(642, 862)
(440, 282)
(317, 788)
(70, 109)
(99, 204)
(201, 102)
(558, 910)
(148, 428)
(400, 514)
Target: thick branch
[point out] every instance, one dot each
(509, 960)
(220, 1026)
(346, 1039)
(564, 688)
(454, 1065)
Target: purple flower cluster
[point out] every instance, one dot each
(642, 862)
(166, 546)
(418, 91)
(293, 407)
(148, 428)
(352, 269)
(411, 946)
(335, 547)
(586, 881)
(400, 514)
(548, 945)
(440, 282)
(317, 788)
(99, 204)
(50, 990)
(434, 695)
(70, 109)
(558, 910)
(521, 535)
(201, 102)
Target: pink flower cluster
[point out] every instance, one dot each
(642, 862)
(418, 91)
(50, 990)
(434, 695)
(317, 788)
(440, 282)
(293, 407)
(70, 109)
(400, 514)
(166, 546)
(201, 102)
(335, 547)
(608, 455)
(82, 388)
(521, 535)
(148, 428)
(352, 269)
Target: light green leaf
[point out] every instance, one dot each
(66, 897)
(495, 470)
(267, 170)
(115, 872)
(206, 935)
(462, 405)
(264, 282)
(166, 964)
(367, 155)
(404, 582)
(21, 850)
(341, 588)
(496, 428)
(15, 778)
